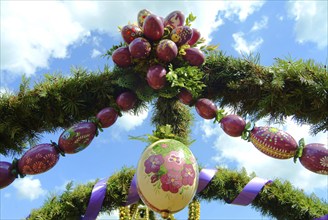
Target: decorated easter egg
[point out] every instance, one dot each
(273, 142)
(174, 19)
(167, 176)
(185, 96)
(206, 108)
(194, 37)
(130, 32)
(122, 57)
(194, 56)
(156, 76)
(166, 50)
(107, 117)
(233, 125)
(181, 35)
(153, 27)
(315, 158)
(142, 16)
(126, 100)
(140, 48)
(38, 159)
(6, 177)
(77, 137)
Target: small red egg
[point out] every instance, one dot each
(206, 108)
(315, 158)
(140, 48)
(166, 50)
(174, 19)
(156, 76)
(130, 32)
(194, 37)
(38, 159)
(273, 142)
(6, 177)
(194, 56)
(77, 137)
(185, 96)
(126, 101)
(107, 117)
(153, 27)
(181, 35)
(122, 57)
(233, 125)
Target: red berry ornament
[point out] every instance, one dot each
(126, 100)
(206, 108)
(233, 125)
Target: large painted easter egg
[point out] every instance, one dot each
(38, 159)
(273, 142)
(130, 32)
(167, 176)
(166, 50)
(153, 27)
(6, 177)
(181, 35)
(142, 16)
(77, 137)
(315, 158)
(174, 19)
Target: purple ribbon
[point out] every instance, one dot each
(250, 191)
(133, 195)
(325, 217)
(205, 176)
(97, 197)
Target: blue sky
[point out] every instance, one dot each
(52, 36)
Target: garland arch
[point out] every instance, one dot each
(60, 102)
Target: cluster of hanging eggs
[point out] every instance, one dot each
(149, 36)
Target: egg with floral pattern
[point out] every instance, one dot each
(167, 176)
(174, 19)
(181, 35)
(315, 158)
(130, 32)
(142, 15)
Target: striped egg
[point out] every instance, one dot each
(273, 142)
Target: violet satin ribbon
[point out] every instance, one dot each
(250, 191)
(325, 217)
(133, 195)
(205, 176)
(97, 197)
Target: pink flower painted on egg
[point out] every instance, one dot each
(172, 181)
(153, 163)
(188, 175)
(174, 161)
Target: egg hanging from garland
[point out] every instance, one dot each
(167, 176)
(273, 142)
(315, 158)
(6, 177)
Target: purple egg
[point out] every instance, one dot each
(156, 76)
(142, 16)
(185, 96)
(181, 35)
(126, 101)
(206, 108)
(6, 177)
(194, 37)
(174, 19)
(194, 56)
(77, 137)
(107, 117)
(38, 159)
(153, 27)
(233, 125)
(140, 48)
(122, 57)
(315, 158)
(130, 32)
(166, 50)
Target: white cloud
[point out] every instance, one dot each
(33, 32)
(105, 216)
(29, 188)
(241, 45)
(311, 21)
(95, 53)
(130, 121)
(258, 25)
(244, 154)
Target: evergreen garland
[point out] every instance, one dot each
(279, 199)
(287, 88)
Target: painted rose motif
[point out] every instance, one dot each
(153, 163)
(174, 160)
(188, 175)
(171, 181)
